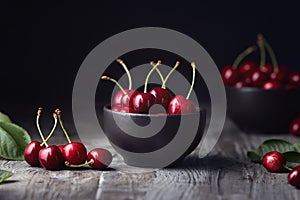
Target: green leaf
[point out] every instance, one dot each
(297, 146)
(4, 175)
(4, 118)
(292, 156)
(281, 146)
(13, 141)
(254, 157)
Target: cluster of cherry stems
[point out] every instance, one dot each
(73, 154)
(133, 101)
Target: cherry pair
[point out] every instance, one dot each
(275, 162)
(265, 76)
(57, 157)
(132, 101)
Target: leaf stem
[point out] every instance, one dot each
(39, 112)
(288, 168)
(242, 55)
(272, 55)
(148, 75)
(53, 129)
(193, 80)
(58, 112)
(260, 43)
(170, 72)
(127, 72)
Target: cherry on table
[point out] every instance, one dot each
(274, 161)
(75, 153)
(101, 158)
(295, 127)
(294, 177)
(51, 158)
(31, 153)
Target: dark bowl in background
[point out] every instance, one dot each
(119, 138)
(263, 111)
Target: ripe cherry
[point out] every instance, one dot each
(280, 76)
(241, 83)
(127, 97)
(101, 158)
(180, 104)
(230, 75)
(271, 85)
(118, 96)
(295, 127)
(61, 148)
(31, 153)
(51, 158)
(294, 177)
(258, 78)
(247, 67)
(294, 79)
(267, 68)
(274, 161)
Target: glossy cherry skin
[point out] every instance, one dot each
(102, 158)
(294, 177)
(267, 68)
(247, 67)
(162, 96)
(118, 97)
(258, 78)
(271, 85)
(116, 108)
(294, 79)
(281, 76)
(61, 148)
(229, 75)
(31, 153)
(127, 97)
(241, 83)
(295, 127)
(180, 105)
(142, 102)
(274, 161)
(75, 153)
(51, 158)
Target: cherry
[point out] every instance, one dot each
(61, 148)
(51, 158)
(267, 68)
(271, 85)
(101, 158)
(31, 153)
(274, 161)
(281, 75)
(74, 153)
(118, 97)
(127, 97)
(258, 78)
(242, 83)
(116, 108)
(294, 177)
(295, 127)
(230, 75)
(294, 79)
(247, 67)
(180, 104)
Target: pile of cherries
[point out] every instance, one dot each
(133, 101)
(264, 76)
(73, 154)
(275, 162)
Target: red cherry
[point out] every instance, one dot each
(229, 75)
(118, 97)
(258, 78)
(247, 67)
(51, 158)
(295, 127)
(180, 105)
(141, 102)
(116, 108)
(274, 161)
(281, 75)
(61, 148)
(267, 68)
(31, 153)
(294, 79)
(74, 153)
(162, 96)
(101, 157)
(271, 85)
(294, 177)
(127, 97)
(241, 83)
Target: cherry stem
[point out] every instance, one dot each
(53, 129)
(272, 55)
(242, 55)
(127, 72)
(193, 80)
(39, 112)
(260, 43)
(159, 73)
(114, 81)
(58, 112)
(288, 168)
(81, 165)
(170, 72)
(148, 75)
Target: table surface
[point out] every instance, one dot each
(226, 173)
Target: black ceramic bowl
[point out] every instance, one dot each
(143, 151)
(263, 111)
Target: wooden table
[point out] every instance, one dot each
(225, 173)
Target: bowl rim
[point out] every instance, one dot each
(198, 110)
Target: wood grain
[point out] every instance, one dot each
(225, 173)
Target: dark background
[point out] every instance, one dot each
(43, 45)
